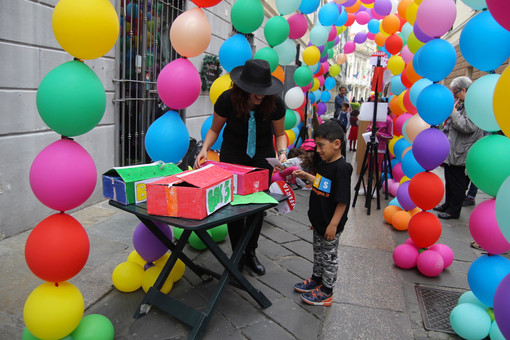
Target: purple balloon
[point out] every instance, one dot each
(430, 148)
(148, 246)
(321, 108)
(403, 196)
(360, 37)
(418, 33)
(382, 7)
(323, 59)
(349, 3)
(502, 306)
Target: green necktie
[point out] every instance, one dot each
(252, 135)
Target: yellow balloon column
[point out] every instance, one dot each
(63, 175)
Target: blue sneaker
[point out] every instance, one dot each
(307, 285)
(317, 298)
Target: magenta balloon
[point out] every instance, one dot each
(63, 175)
(375, 15)
(349, 47)
(321, 108)
(362, 18)
(179, 84)
(360, 37)
(148, 246)
(401, 120)
(332, 33)
(436, 17)
(298, 25)
(430, 148)
(485, 230)
(382, 7)
(397, 172)
(371, 36)
(445, 251)
(502, 305)
(430, 263)
(403, 196)
(405, 256)
(499, 10)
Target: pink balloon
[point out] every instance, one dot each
(405, 256)
(371, 36)
(397, 172)
(307, 87)
(320, 120)
(321, 80)
(63, 175)
(349, 47)
(332, 33)
(406, 55)
(430, 263)
(298, 25)
(362, 18)
(401, 120)
(410, 242)
(445, 251)
(485, 230)
(394, 188)
(179, 84)
(436, 17)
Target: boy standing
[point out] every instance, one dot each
(344, 116)
(329, 203)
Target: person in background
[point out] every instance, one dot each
(462, 134)
(353, 132)
(252, 112)
(328, 207)
(340, 98)
(344, 116)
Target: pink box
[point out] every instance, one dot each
(247, 180)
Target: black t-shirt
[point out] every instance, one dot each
(332, 185)
(235, 135)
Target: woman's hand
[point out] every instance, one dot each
(201, 157)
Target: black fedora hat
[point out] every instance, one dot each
(255, 77)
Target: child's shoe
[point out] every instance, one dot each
(317, 298)
(307, 285)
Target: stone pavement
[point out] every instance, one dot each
(373, 299)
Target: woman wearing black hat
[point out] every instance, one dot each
(253, 113)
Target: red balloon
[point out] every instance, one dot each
(405, 81)
(426, 190)
(408, 104)
(424, 229)
(206, 3)
(350, 19)
(394, 44)
(58, 248)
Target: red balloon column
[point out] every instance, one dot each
(63, 175)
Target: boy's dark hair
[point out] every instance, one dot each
(330, 130)
(345, 104)
(355, 112)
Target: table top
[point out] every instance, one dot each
(224, 215)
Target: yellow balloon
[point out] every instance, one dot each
(499, 102)
(136, 258)
(411, 11)
(127, 277)
(404, 179)
(396, 64)
(53, 310)
(401, 100)
(311, 55)
(316, 85)
(291, 135)
(381, 30)
(177, 271)
(413, 43)
(220, 85)
(340, 29)
(85, 29)
(149, 278)
(334, 70)
(190, 33)
(392, 142)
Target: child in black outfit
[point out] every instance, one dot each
(329, 203)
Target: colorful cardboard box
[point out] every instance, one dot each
(127, 185)
(193, 194)
(247, 179)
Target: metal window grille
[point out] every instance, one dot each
(145, 49)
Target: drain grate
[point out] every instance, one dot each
(436, 306)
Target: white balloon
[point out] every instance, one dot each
(286, 51)
(294, 98)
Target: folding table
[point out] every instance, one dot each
(195, 318)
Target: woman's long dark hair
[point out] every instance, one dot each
(241, 103)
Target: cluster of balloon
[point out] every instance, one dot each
(63, 175)
(218, 234)
(430, 260)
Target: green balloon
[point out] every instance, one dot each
(247, 15)
(94, 326)
(290, 119)
(27, 335)
(488, 163)
(219, 233)
(303, 76)
(196, 242)
(177, 233)
(276, 30)
(330, 53)
(270, 55)
(71, 99)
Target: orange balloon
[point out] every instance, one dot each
(402, 7)
(279, 73)
(402, 21)
(190, 33)
(400, 220)
(411, 73)
(395, 106)
(389, 211)
(341, 58)
(390, 23)
(354, 8)
(213, 156)
(415, 211)
(380, 39)
(405, 81)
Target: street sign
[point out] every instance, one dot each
(379, 54)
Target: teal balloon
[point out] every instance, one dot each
(290, 119)
(94, 326)
(247, 15)
(309, 6)
(276, 30)
(502, 211)
(488, 163)
(286, 52)
(285, 7)
(317, 94)
(416, 89)
(219, 233)
(325, 96)
(331, 53)
(470, 321)
(435, 104)
(268, 54)
(477, 5)
(303, 75)
(328, 14)
(396, 85)
(435, 60)
(407, 29)
(167, 138)
(234, 51)
(469, 297)
(484, 43)
(495, 332)
(315, 68)
(478, 108)
(329, 83)
(71, 99)
(404, 132)
(319, 34)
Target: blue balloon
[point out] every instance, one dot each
(311, 97)
(395, 202)
(132, 10)
(394, 161)
(435, 104)
(203, 131)
(342, 18)
(167, 139)
(435, 60)
(234, 52)
(309, 6)
(325, 96)
(416, 89)
(373, 26)
(410, 166)
(396, 85)
(399, 148)
(485, 274)
(328, 14)
(484, 43)
(329, 83)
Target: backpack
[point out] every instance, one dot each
(342, 118)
